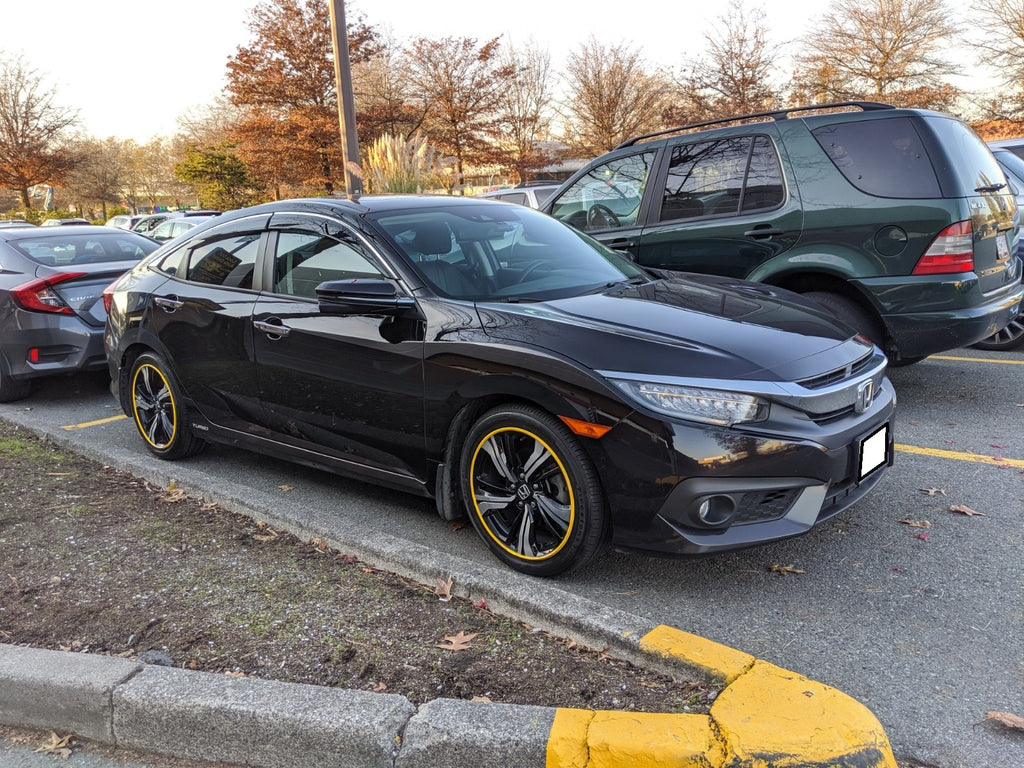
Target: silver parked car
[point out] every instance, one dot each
(51, 309)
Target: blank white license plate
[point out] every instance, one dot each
(874, 451)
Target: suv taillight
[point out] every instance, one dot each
(951, 251)
(39, 296)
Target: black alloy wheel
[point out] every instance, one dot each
(532, 493)
(159, 411)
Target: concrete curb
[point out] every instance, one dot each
(765, 716)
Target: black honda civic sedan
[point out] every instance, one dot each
(508, 366)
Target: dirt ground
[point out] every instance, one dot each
(97, 561)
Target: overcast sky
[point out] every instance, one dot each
(132, 68)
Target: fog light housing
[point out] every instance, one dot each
(715, 511)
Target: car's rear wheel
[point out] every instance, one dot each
(1010, 337)
(532, 492)
(159, 410)
(12, 389)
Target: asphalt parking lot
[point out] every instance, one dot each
(907, 602)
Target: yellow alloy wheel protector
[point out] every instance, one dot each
(565, 476)
(170, 398)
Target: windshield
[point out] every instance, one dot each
(498, 252)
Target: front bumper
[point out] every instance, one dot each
(772, 486)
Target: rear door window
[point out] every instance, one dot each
(885, 158)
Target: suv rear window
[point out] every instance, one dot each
(885, 158)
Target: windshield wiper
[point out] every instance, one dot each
(990, 188)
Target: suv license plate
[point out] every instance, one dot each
(1002, 247)
(874, 451)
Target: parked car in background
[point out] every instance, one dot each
(1009, 154)
(168, 229)
(123, 221)
(530, 193)
(51, 311)
(64, 222)
(494, 358)
(15, 223)
(147, 224)
(898, 221)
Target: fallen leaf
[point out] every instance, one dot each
(284, 487)
(443, 590)
(784, 569)
(348, 559)
(896, 569)
(996, 445)
(209, 507)
(320, 544)
(484, 699)
(933, 491)
(234, 673)
(173, 494)
(1008, 719)
(458, 525)
(380, 687)
(482, 605)
(459, 642)
(58, 746)
(964, 510)
(922, 536)
(916, 523)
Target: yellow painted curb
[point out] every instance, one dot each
(715, 661)
(606, 739)
(773, 718)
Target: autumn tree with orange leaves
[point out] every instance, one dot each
(283, 84)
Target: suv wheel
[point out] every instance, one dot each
(1010, 337)
(851, 313)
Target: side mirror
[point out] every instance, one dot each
(362, 296)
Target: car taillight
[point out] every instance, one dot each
(951, 251)
(38, 295)
(108, 296)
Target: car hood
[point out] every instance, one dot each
(690, 329)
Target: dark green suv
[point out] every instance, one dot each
(899, 221)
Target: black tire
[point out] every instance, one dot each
(159, 410)
(1010, 337)
(851, 313)
(13, 389)
(532, 492)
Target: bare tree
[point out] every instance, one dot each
(386, 100)
(34, 130)
(999, 27)
(525, 110)
(885, 50)
(611, 97)
(98, 176)
(734, 77)
(460, 85)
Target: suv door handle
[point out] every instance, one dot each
(168, 303)
(765, 231)
(275, 330)
(620, 244)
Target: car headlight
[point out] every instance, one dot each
(711, 406)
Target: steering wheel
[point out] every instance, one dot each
(600, 215)
(531, 268)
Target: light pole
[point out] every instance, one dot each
(346, 102)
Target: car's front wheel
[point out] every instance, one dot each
(1010, 337)
(159, 410)
(532, 492)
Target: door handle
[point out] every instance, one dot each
(168, 303)
(764, 232)
(275, 330)
(620, 244)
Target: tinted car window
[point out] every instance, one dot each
(83, 249)
(972, 157)
(304, 260)
(228, 262)
(713, 178)
(608, 195)
(885, 158)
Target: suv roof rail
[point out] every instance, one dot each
(775, 114)
(537, 183)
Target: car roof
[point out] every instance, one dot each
(35, 233)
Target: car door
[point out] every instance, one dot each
(202, 317)
(724, 207)
(351, 385)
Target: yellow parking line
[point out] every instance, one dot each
(977, 359)
(95, 423)
(977, 458)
